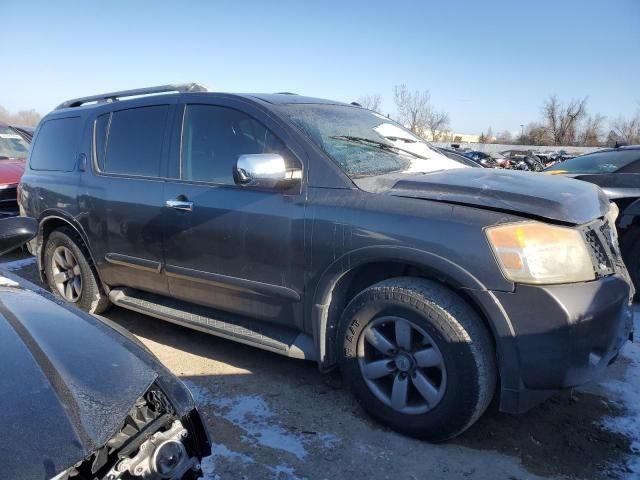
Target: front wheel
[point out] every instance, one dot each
(417, 357)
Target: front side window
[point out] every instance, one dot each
(130, 141)
(214, 137)
(56, 145)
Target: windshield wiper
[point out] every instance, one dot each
(376, 144)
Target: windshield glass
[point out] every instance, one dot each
(12, 145)
(599, 162)
(365, 143)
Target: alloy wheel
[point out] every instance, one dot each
(402, 365)
(66, 274)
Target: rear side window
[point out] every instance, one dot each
(56, 145)
(130, 141)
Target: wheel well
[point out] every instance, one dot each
(360, 278)
(47, 227)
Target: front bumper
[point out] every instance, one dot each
(563, 336)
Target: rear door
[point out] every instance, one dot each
(123, 199)
(236, 249)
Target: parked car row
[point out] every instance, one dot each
(326, 232)
(514, 159)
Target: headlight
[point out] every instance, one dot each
(539, 253)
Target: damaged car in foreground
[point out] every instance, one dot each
(80, 398)
(327, 232)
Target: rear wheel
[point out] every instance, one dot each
(417, 357)
(70, 274)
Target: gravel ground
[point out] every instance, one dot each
(274, 417)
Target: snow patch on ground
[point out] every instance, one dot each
(19, 264)
(284, 472)
(252, 414)
(7, 282)
(218, 452)
(628, 391)
(261, 429)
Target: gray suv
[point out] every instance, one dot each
(327, 232)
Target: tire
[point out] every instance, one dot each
(455, 339)
(73, 263)
(630, 248)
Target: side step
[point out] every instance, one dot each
(275, 338)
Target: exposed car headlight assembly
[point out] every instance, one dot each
(539, 253)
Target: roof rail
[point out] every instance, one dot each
(113, 96)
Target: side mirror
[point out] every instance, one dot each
(265, 170)
(15, 231)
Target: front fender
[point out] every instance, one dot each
(324, 320)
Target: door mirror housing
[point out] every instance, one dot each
(16, 231)
(266, 170)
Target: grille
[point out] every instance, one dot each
(8, 194)
(598, 252)
(604, 248)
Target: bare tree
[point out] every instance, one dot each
(536, 134)
(437, 122)
(27, 118)
(505, 137)
(413, 108)
(371, 102)
(562, 118)
(627, 130)
(592, 131)
(490, 136)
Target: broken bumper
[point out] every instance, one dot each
(563, 336)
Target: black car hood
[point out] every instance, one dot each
(522, 193)
(67, 382)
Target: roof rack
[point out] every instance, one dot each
(113, 96)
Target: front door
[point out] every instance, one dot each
(233, 248)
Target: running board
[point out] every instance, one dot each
(275, 338)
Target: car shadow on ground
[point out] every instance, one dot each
(562, 436)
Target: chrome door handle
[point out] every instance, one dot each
(179, 205)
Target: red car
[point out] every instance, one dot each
(13, 152)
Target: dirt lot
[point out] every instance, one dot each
(273, 417)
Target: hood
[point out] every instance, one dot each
(67, 382)
(11, 171)
(521, 193)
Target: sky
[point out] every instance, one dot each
(487, 63)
